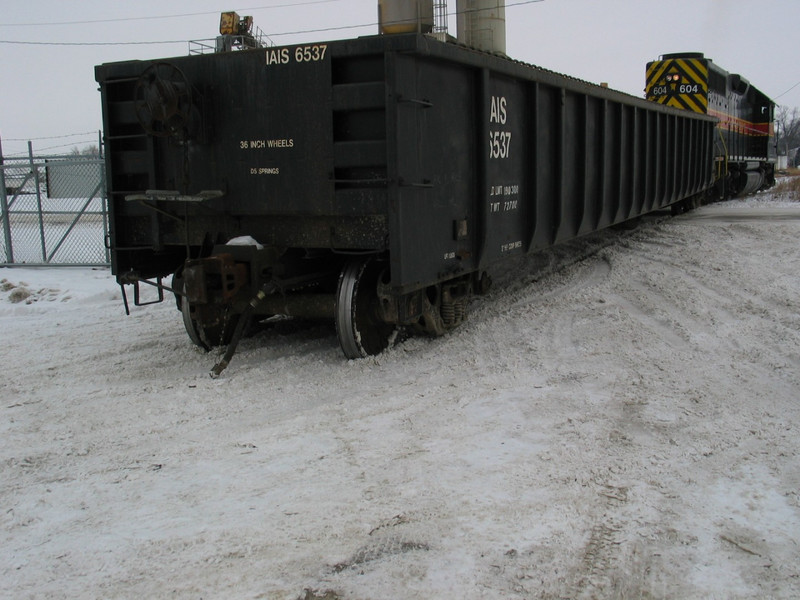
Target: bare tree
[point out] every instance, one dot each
(91, 150)
(787, 129)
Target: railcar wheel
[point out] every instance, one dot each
(360, 329)
(208, 336)
(190, 324)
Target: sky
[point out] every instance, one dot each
(48, 94)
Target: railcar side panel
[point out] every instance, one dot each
(505, 196)
(433, 181)
(448, 158)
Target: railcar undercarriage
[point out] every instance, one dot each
(220, 296)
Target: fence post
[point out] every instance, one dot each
(4, 208)
(35, 173)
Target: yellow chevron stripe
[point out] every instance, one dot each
(697, 67)
(696, 72)
(684, 69)
(695, 102)
(654, 67)
(658, 73)
(701, 67)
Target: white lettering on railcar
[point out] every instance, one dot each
(504, 190)
(499, 144)
(261, 144)
(301, 54)
(511, 246)
(499, 141)
(310, 53)
(498, 111)
(506, 193)
(277, 56)
(283, 143)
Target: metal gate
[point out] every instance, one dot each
(54, 211)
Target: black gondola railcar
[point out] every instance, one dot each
(379, 176)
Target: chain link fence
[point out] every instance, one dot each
(54, 211)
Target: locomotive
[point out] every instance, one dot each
(373, 181)
(744, 145)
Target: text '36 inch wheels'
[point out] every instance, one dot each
(360, 329)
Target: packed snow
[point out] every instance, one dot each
(619, 418)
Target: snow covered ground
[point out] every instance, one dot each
(619, 418)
